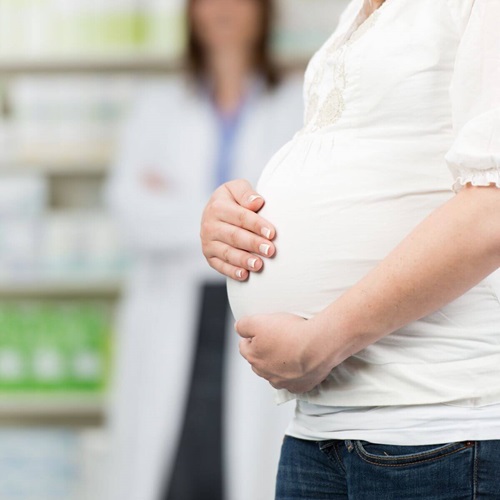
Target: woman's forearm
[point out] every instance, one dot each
(451, 251)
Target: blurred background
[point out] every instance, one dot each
(70, 73)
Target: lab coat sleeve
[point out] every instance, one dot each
(149, 221)
(474, 157)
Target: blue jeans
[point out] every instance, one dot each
(358, 470)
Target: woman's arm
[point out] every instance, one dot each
(451, 251)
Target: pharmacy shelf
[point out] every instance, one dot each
(61, 409)
(79, 64)
(112, 64)
(58, 167)
(63, 288)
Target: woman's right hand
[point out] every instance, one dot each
(234, 237)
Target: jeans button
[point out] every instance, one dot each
(349, 445)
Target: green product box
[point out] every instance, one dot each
(58, 347)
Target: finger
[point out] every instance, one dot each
(241, 239)
(225, 208)
(242, 191)
(235, 257)
(233, 272)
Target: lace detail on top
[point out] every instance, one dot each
(324, 108)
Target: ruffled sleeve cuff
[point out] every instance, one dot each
(475, 155)
(476, 178)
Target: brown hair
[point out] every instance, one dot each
(264, 63)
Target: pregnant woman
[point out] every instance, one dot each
(361, 270)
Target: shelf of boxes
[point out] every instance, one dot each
(54, 358)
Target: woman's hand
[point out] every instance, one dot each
(233, 236)
(285, 349)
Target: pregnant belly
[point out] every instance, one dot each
(332, 229)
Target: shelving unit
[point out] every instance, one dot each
(52, 410)
(75, 410)
(59, 409)
(49, 408)
(58, 168)
(66, 169)
(101, 65)
(81, 287)
(153, 65)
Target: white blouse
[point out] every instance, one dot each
(381, 128)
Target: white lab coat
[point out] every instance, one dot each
(173, 131)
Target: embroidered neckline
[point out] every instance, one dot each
(324, 112)
(356, 32)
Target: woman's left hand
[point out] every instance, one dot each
(284, 349)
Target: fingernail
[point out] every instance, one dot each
(239, 273)
(264, 249)
(252, 262)
(254, 197)
(266, 232)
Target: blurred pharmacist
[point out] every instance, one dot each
(190, 420)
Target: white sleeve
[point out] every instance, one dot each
(475, 93)
(149, 221)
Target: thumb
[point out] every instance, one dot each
(243, 328)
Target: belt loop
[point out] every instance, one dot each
(349, 445)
